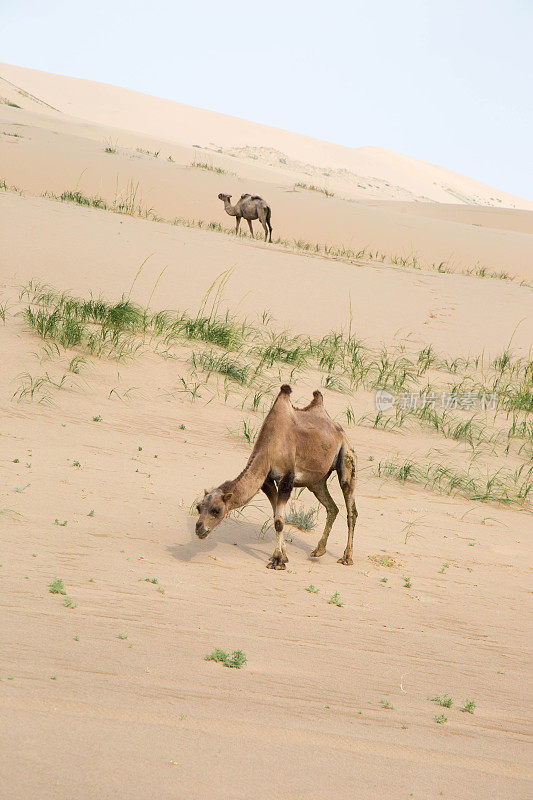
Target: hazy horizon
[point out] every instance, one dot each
(447, 84)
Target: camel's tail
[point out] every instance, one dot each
(269, 212)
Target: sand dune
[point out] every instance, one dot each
(53, 153)
(385, 173)
(111, 431)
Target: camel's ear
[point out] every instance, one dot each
(227, 497)
(205, 492)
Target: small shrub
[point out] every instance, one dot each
(335, 600)
(217, 655)
(312, 188)
(57, 586)
(469, 706)
(445, 701)
(312, 589)
(300, 518)
(441, 719)
(237, 660)
(205, 165)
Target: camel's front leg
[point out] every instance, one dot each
(271, 491)
(237, 223)
(279, 556)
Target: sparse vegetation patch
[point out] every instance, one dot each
(237, 660)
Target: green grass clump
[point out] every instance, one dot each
(312, 589)
(300, 518)
(209, 167)
(217, 655)
(445, 701)
(335, 600)
(441, 719)
(237, 660)
(5, 187)
(57, 586)
(469, 706)
(223, 331)
(504, 486)
(69, 196)
(386, 704)
(222, 363)
(312, 188)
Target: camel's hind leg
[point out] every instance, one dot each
(347, 482)
(251, 228)
(279, 556)
(263, 221)
(321, 492)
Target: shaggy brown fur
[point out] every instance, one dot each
(250, 206)
(295, 447)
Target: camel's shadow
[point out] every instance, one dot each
(242, 535)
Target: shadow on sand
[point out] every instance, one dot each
(244, 536)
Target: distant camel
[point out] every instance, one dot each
(295, 447)
(250, 206)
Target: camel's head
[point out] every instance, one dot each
(212, 510)
(225, 197)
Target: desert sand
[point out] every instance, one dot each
(104, 457)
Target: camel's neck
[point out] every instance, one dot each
(248, 483)
(230, 209)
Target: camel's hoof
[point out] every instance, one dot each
(277, 562)
(317, 552)
(348, 561)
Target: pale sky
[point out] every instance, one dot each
(447, 81)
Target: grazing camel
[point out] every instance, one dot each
(250, 206)
(295, 447)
